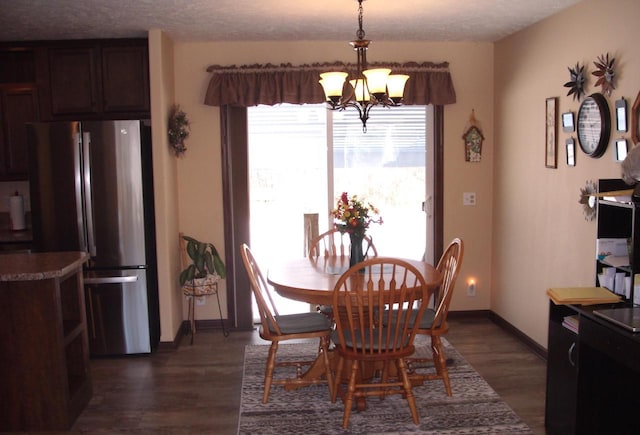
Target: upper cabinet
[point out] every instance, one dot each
(18, 105)
(125, 79)
(63, 81)
(73, 81)
(96, 80)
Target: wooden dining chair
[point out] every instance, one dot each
(275, 327)
(334, 243)
(360, 299)
(434, 322)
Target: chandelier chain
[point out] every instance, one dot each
(360, 32)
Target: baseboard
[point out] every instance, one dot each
(531, 344)
(508, 327)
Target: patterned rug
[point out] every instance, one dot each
(474, 407)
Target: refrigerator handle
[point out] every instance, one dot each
(91, 311)
(88, 207)
(78, 172)
(111, 280)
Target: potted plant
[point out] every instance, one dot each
(205, 270)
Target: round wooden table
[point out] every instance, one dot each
(313, 280)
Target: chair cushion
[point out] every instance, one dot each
(302, 322)
(425, 323)
(349, 342)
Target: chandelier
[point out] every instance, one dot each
(371, 87)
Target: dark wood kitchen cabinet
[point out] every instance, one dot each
(73, 81)
(45, 378)
(97, 80)
(18, 105)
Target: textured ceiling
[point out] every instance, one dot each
(260, 20)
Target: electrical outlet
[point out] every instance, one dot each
(471, 289)
(469, 198)
(200, 301)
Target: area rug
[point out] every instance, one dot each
(474, 407)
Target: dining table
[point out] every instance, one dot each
(313, 280)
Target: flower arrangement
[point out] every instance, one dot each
(179, 130)
(354, 216)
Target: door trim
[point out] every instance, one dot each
(235, 197)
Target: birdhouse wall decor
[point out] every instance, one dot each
(473, 139)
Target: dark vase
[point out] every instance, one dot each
(356, 255)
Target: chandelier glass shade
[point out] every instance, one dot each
(370, 87)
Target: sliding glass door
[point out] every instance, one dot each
(301, 158)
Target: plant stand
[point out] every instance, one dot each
(202, 287)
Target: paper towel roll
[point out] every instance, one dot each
(16, 213)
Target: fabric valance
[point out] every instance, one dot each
(250, 85)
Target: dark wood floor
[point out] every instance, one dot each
(196, 389)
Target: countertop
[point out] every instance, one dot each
(39, 266)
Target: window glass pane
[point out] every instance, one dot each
(288, 173)
(386, 166)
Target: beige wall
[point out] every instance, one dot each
(199, 203)
(527, 232)
(540, 237)
(161, 63)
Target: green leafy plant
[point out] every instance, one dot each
(179, 129)
(205, 260)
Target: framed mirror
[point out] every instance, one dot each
(621, 150)
(567, 122)
(635, 113)
(570, 147)
(621, 115)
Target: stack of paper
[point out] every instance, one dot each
(582, 295)
(571, 323)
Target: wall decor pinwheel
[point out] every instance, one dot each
(576, 84)
(605, 73)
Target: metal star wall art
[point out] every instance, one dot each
(605, 74)
(577, 82)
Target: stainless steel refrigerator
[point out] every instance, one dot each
(91, 189)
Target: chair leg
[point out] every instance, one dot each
(268, 374)
(348, 401)
(336, 379)
(440, 361)
(324, 345)
(384, 377)
(408, 392)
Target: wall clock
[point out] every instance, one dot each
(594, 125)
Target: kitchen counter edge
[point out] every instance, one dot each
(40, 266)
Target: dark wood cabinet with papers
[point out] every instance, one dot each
(593, 375)
(593, 365)
(619, 225)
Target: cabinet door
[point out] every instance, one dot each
(73, 76)
(125, 79)
(19, 106)
(562, 380)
